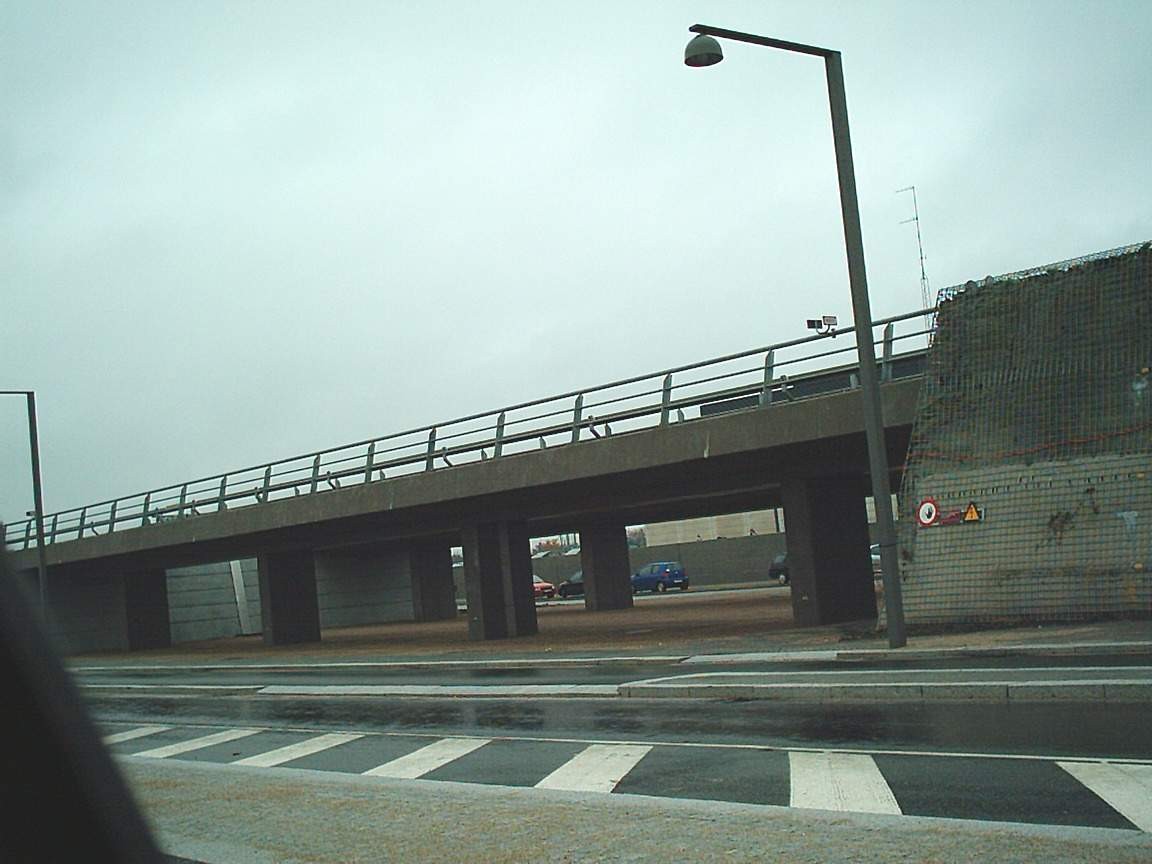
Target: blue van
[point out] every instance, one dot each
(660, 577)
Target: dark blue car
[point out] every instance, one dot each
(660, 577)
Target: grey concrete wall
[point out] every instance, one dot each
(1044, 550)
(202, 601)
(1037, 409)
(363, 587)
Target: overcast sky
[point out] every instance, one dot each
(231, 232)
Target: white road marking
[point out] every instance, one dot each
(295, 751)
(493, 690)
(197, 743)
(597, 768)
(839, 781)
(427, 759)
(1126, 788)
(132, 734)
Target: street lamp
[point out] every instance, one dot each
(37, 491)
(704, 50)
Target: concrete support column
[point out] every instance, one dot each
(607, 569)
(498, 580)
(288, 601)
(433, 589)
(828, 559)
(146, 609)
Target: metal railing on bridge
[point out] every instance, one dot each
(756, 378)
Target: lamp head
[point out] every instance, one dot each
(702, 51)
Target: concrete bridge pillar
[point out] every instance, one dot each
(146, 608)
(607, 570)
(498, 580)
(433, 589)
(288, 602)
(828, 559)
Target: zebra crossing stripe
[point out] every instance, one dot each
(1127, 789)
(196, 743)
(428, 758)
(133, 734)
(597, 768)
(296, 751)
(839, 781)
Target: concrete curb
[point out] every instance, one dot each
(1002, 692)
(1077, 649)
(815, 656)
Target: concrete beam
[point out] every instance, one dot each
(607, 571)
(288, 602)
(828, 559)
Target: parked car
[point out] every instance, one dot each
(573, 586)
(660, 577)
(778, 569)
(540, 588)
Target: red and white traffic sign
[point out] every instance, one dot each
(927, 512)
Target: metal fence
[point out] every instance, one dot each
(759, 377)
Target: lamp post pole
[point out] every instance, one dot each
(37, 493)
(705, 51)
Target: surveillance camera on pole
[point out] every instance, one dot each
(823, 325)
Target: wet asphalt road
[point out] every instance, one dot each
(1043, 729)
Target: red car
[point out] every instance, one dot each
(540, 588)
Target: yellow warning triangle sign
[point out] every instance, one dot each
(972, 513)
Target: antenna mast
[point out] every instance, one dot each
(924, 290)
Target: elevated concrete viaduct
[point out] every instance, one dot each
(808, 456)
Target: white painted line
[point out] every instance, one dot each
(197, 743)
(597, 768)
(132, 734)
(169, 686)
(295, 751)
(428, 758)
(905, 676)
(1126, 788)
(839, 781)
(472, 690)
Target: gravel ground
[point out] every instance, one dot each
(750, 620)
(231, 815)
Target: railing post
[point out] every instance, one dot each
(886, 362)
(267, 484)
(315, 474)
(144, 510)
(665, 399)
(577, 418)
(80, 527)
(112, 518)
(52, 532)
(368, 462)
(430, 459)
(183, 499)
(499, 448)
(222, 504)
(766, 387)
(27, 533)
